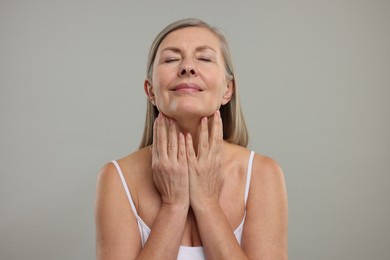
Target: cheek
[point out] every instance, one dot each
(221, 86)
(161, 77)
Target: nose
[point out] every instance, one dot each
(187, 69)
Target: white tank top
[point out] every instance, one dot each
(186, 252)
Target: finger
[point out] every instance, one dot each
(161, 137)
(216, 135)
(172, 139)
(203, 145)
(190, 149)
(154, 145)
(181, 155)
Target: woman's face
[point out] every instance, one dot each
(189, 77)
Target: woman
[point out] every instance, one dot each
(192, 190)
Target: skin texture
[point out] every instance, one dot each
(189, 185)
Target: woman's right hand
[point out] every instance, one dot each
(169, 163)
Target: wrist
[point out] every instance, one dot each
(205, 203)
(176, 207)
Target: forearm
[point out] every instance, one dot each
(217, 236)
(166, 235)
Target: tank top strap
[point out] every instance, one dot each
(248, 175)
(125, 187)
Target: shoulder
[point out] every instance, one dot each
(134, 160)
(111, 195)
(115, 224)
(108, 175)
(267, 192)
(237, 153)
(267, 168)
(108, 184)
(263, 167)
(267, 210)
(268, 177)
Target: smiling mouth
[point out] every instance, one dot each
(187, 87)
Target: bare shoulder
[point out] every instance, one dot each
(236, 153)
(132, 167)
(267, 169)
(116, 225)
(264, 168)
(268, 183)
(107, 174)
(136, 161)
(107, 181)
(109, 185)
(128, 165)
(267, 211)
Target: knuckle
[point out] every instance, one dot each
(170, 147)
(205, 145)
(159, 140)
(181, 155)
(191, 154)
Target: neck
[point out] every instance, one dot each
(192, 126)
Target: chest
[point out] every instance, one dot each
(232, 203)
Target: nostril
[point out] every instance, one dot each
(187, 70)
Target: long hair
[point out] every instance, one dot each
(234, 127)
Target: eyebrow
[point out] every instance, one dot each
(205, 47)
(197, 49)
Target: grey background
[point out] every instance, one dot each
(314, 78)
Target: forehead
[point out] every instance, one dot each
(190, 37)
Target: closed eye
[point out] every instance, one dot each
(170, 60)
(205, 59)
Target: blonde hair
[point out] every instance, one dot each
(234, 127)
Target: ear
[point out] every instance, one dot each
(228, 92)
(148, 88)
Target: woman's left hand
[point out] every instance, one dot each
(205, 167)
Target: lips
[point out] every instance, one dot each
(187, 87)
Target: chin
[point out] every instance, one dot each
(188, 111)
(186, 114)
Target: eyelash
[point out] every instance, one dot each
(170, 60)
(204, 59)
